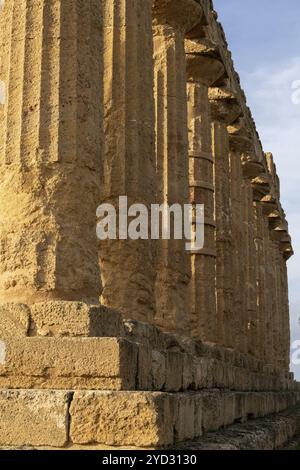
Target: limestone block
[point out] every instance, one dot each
(198, 424)
(202, 373)
(144, 365)
(229, 408)
(253, 403)
(240, 407)
(59, 318)
(184, 425)
(121, 418)
(14, 320)
(218, 373)
(188, 371)
(158, 370)
(209, 371)
(174, 371)
(34, 417)
(141, 332)
(213, 410)
(52, 359)
(228, 376)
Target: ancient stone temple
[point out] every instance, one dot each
(133, 342)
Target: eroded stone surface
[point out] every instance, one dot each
(74, 319)
(14, 320)
(121, 418)
(62, 362)
(36, 418)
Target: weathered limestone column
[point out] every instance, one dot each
(225, 110)
(202, 71)
(282, 252)
(171, 20)
(276, 307)
(251, 288)
(280, 318)
(262, 293)
(50, 149)
(127, 266)
(269, 337)
(286, 251)
(265, 207)
(285, 312)
(240, 328)
(242, 142)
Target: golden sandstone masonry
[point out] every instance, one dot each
(133, 342)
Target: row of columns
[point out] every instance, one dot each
(174, 133)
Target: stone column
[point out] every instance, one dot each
(282, 252)
(262, 293)
(239, 241)
(50, 150)
(225, 110)
(127, 266)
(269, 338)
(243, 141)
(285, 311)
(286, 251)
(280, 319)
(202, 71)
(171, 21)
(240, 325)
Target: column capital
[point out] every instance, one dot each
(224, 104)
(251, 165)
(261, 186)
(204, 63)
(280, 232)
(286, 247)
(179, 14)
(269, 205)
(240, 139)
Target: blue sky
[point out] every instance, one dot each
(264, 37)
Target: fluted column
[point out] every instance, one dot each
(171, 20)
(243, 142)
(265, 204)
(50, 149)
(202, 71)
(262, 293)
(225, 110)
(239, 247)
(238, 236)
(269, 338)
(128, 170)
(286, 251)
(251, 259)
(285, 314)
(282, 252)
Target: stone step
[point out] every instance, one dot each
(119, 364)
(269, 433)
(152, 419)
(165, 362)
(85, 363)
(59, 318)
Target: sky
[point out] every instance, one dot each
(264, 37)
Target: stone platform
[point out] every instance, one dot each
(114, 382)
